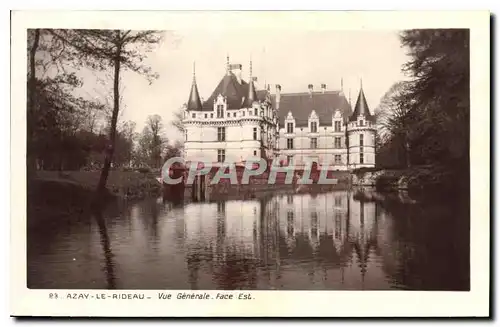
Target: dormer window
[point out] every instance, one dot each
(220, 111)
(361, 123)
(256, 112)
(337, 126)
(193, 115)
(289, 127)
(314, 127)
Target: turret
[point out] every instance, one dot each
(252, 94)
(361, 134)
(194, 102)
(361, 108)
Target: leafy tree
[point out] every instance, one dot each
(438, 95)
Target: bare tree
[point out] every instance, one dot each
(120, 49)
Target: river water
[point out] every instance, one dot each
(343, 240)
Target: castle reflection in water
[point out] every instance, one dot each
(331, 241)
(295, 241)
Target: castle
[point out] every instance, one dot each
(238, 122)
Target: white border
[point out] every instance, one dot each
(267, 303)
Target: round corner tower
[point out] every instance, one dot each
(361, 131)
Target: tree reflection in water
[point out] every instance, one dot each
(296, 241)
(106, 248)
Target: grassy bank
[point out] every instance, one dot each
(429, 179)
(126, 184)
(53, 193)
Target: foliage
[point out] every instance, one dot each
(62, 128)
(425, 121)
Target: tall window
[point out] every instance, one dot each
(289, 127)
(221, 134)
(289, 143)
(243, 113)
(255, 133)
(314, 143)
(361, 140)
(193, 115)
(289, 199)
(314, 223)
(221, 207)
(314, 127)
(234, 114)
(338, 201)
(337, 126)
(221, 155)
(256, 111)
(185, 136)
(220, 111)
(338, 224)
(289, 159)
(361, 158)
(228, 114)
(361, 123)
(211, 115)
(337, 144)
(338, 159)
(206, 115)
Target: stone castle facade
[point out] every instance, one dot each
(238, 122)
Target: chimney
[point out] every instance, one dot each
(323, 88)
(310, 87)
(278, 95)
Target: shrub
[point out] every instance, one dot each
(144, 170)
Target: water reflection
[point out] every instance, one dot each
(337, 240)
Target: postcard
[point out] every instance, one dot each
(250, 164)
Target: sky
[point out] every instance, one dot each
(292, 59)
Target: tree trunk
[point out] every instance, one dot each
(31, 158)
(114, 119)
(407, 153)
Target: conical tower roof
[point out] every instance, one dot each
(194, 102)
(252, 94)
(361, 108)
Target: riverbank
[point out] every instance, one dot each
(53, 193)
(124, 184)
(416, 180)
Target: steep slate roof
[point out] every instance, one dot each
(235, 92)
(361, 108)
(251, 96)
(301, 105)
(194, 102)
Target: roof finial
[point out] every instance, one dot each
(361, 82)
(194, 71)
(250, 67)
(342, 84)
(350, 97)
(227, 64)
